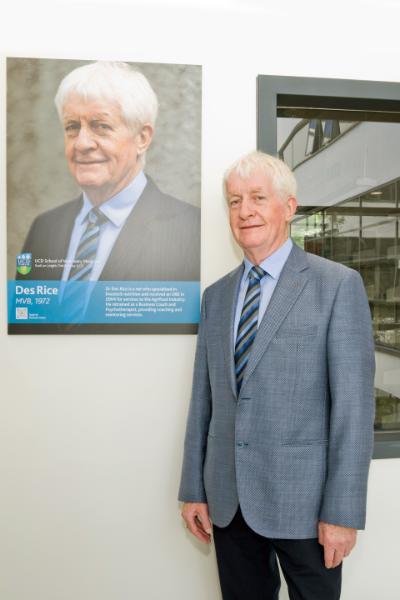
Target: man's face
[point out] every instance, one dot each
(101, 150)
(259, 217)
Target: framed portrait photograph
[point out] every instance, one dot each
(103, 196)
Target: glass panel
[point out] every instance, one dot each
(345, 216)
(298, 231)
(375, 204)
(319, 233)
(345, 248)
(331, 130)
(309, 244)
(387, 416)
(351, 180)
(295, 151)
(353, 219)
(380, 271)
(327, 229)
(300, 139)
(314, 137)
(379, 241)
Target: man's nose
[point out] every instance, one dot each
(246, 208)
(85, 140)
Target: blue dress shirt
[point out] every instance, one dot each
(117, 210)
(273, 266)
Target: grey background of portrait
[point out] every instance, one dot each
(37, 174)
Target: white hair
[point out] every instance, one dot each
(282, 178)
(115, 82)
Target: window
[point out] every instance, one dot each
(342, 140)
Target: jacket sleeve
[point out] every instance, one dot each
(192, 487)
(351, 369)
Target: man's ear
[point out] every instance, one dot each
(143, 138)
(291, 207)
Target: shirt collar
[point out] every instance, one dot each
(274, 263)
(117, 208)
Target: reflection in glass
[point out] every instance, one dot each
(348, 176)
(367, 243)
(307, 137)
(331, 130)
(345, 216)
(314, 137)
(387, 417)
(378, 205)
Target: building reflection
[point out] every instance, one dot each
(349, 193)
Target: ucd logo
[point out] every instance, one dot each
(24, 263)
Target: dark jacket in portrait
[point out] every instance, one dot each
(160, 240)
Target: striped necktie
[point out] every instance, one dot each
(87, 248)
(75, 296)
(248, 323)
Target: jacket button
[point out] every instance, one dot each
(241, 444)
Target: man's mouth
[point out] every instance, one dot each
(250, 226)
(90, 162)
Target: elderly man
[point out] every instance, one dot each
(122, 227)
(280, 427)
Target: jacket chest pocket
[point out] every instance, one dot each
(296, 334)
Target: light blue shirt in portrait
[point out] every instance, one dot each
(273, 266)
(116, 209)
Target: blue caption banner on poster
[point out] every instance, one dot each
(104, 302)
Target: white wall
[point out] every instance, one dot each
(91, 428)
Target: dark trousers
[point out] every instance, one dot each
(248, 569)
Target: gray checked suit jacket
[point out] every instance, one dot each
(295, 446)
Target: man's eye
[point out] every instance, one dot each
(234, 202)
(100, 127)
(72, 127)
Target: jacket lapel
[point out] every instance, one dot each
(227, 307)
(60, 236)
(291, 282)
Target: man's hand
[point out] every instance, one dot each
(195, 515)
(337, 541)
